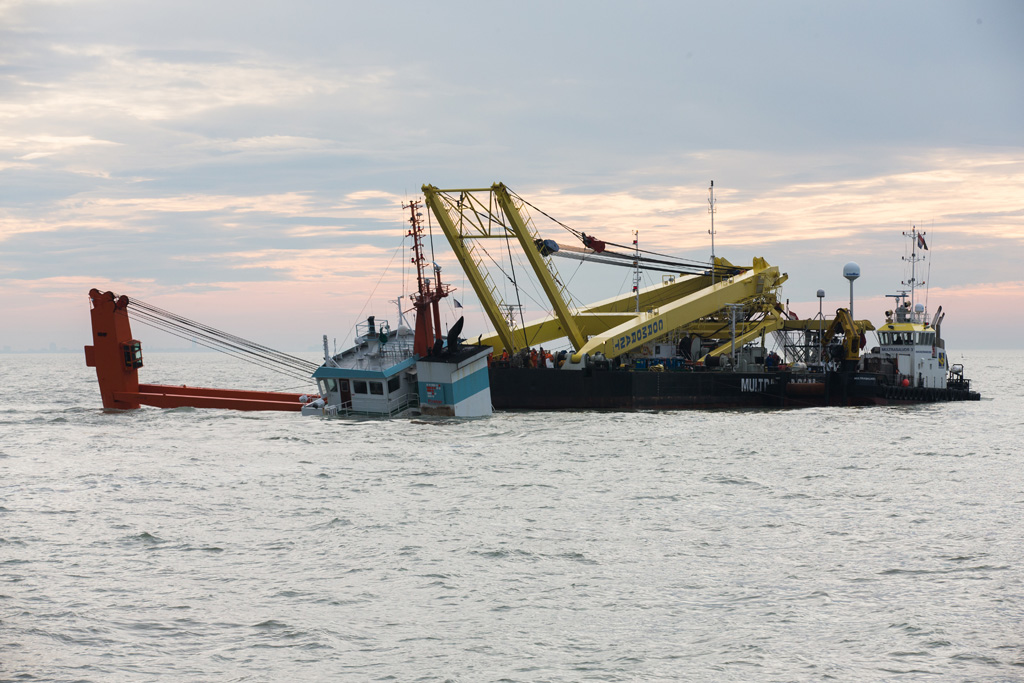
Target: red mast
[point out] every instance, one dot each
(428, 294)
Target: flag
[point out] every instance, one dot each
(921, 243)
(457, 304)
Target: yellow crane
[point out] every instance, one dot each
(685, 304)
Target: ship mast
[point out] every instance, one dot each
(636, 268)
(711, 210)
(429, 290)
(916, 238)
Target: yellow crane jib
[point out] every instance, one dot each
(488, 213)
(760, 280)
(601, 316)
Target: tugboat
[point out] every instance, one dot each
(910, 346)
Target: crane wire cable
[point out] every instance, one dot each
(689, 263)
(213, 342)
(212, 334)
(162, 325)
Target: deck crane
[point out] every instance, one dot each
(684, 304)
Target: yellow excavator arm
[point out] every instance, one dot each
(844, 324)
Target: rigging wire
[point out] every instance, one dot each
(359, 316)
(230, 344)
(573, 276)
(404, 260)
(620, 260)
(928, 276)
(673, 260)
(430, 231)
(163, 326)
(214, 335)
(512, 280)
(216, 344)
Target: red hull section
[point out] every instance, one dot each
(163, 396)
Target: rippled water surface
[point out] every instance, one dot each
(824, 544)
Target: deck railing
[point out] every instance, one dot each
(395, 407)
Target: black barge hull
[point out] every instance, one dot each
(591, 389)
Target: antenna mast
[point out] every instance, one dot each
(711, 210)
(916, 239)
(636, 268)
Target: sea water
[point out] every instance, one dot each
(850, 544)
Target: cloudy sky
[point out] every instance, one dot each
(244, 163)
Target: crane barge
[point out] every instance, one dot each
(695, 340)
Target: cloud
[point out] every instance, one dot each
(307, 265)
(208, 147)
(119, 80)
(267, 143)
(975, 194)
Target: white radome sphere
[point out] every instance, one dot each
(851, 271)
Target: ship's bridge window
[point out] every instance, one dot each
(359, 386)
(394, 384)
(377, 388)
(884, 338)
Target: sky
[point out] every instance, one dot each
(244, 164)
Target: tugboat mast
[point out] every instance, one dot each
(916, 240)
